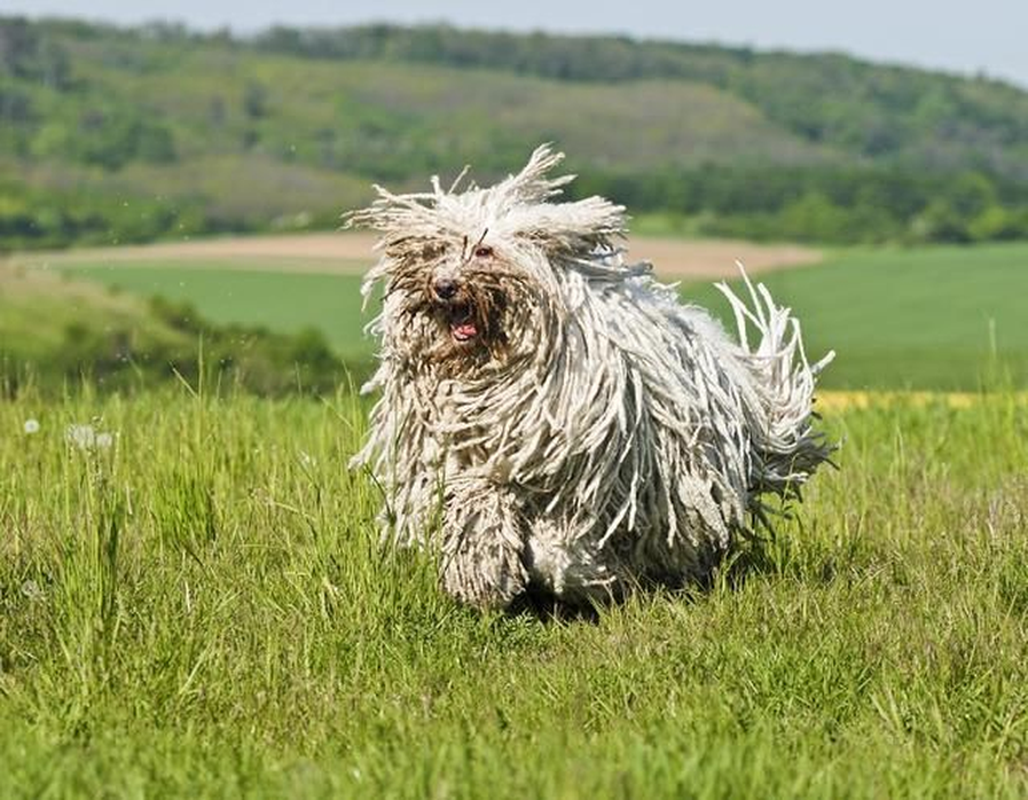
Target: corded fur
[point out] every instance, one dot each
(595, 434)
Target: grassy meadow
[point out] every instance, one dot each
(289, 300)
(194, 601)
(910, 318)
(921, 318)
(196, 605)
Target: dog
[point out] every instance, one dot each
(552, 420)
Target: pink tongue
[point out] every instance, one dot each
(465, 330)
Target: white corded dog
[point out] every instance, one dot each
(552, 418)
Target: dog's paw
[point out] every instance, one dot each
(482, 549)
(486, 578)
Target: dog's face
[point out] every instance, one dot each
(465, 296)
(474, 277)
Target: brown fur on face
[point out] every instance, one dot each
(486, 289)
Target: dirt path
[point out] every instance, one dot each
(349, 253)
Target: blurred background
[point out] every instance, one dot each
(171, 183)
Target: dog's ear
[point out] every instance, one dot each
(560, 229)
(399, 216)
(570, 230)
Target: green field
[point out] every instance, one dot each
(921, 318)
(202, 610)
(287, 301)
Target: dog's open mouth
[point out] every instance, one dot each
(462, 322)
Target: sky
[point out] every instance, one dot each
(986, 36)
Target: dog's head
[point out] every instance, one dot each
(475, 275)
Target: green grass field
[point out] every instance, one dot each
(202, 610)
(922, 318)
(288, 301)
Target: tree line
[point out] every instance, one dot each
(894, 155)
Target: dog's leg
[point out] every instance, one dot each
(572, 566)
(483, 539)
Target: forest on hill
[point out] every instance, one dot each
(111, 135)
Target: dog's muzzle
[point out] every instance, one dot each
(445, 289)
(458, 311)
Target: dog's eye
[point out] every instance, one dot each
(483, 251)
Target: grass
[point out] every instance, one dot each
(287, 301)
(39, 307)
(203, 610)
(916, 318)
(920, 318)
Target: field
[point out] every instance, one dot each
(917, 318)
(289, 283)
(197, 606)
(194, 602)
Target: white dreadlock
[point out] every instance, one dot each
(556, 415)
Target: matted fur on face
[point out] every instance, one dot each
(459, 298)
(551, 418)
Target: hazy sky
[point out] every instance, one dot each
(960, 36)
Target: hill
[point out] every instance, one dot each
(111, 134)
(827, 100)
(57, 334)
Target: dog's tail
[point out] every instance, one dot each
(787, 449)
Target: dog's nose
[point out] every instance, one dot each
(445, 288)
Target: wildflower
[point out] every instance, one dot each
(31, 590)
(307, 460)
(31, 426)
(81, 436)
(84, 437)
